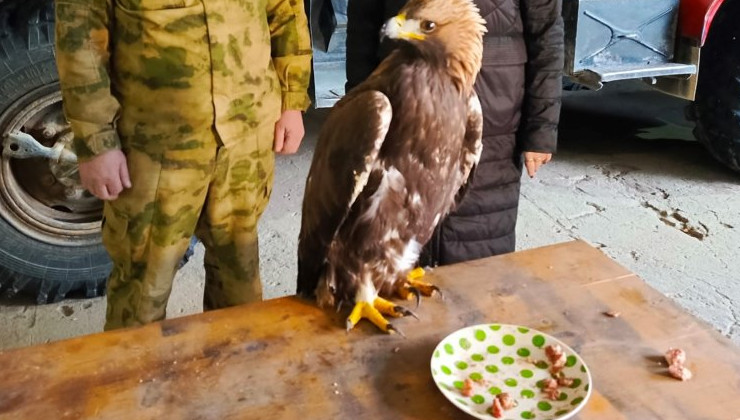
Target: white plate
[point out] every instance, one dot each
(500, 358)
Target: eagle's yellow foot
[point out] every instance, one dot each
(414, 287)
(373, 312)
(391, 309)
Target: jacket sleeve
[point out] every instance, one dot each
(82, 55)
(543, 34)
(291, 51)
(364, 20)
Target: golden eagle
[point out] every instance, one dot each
(392, 158)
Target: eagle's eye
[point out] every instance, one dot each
(428, 26)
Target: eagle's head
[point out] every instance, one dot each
(455, 26)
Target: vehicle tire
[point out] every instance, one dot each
(716, 108)
(50, 244)
(570, 86)
(49, 238)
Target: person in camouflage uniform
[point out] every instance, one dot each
(191, 98)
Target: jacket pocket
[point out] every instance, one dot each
(115, 233)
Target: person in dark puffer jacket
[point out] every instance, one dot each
(519, 87)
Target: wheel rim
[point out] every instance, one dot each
(41, 198)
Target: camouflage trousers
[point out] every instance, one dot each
(198, 187)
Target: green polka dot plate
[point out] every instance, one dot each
(498, 358)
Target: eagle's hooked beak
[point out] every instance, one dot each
(401, 28)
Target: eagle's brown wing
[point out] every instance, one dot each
(472, 145)
(348, 145)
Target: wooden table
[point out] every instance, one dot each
(286, 359)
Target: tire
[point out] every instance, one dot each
(716, 109)
(49, 265)
(570, 86)
(45, 260)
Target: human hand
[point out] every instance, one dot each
(533, 161)
(105, 175)
(289, 132)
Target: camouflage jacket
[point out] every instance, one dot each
(154, 72)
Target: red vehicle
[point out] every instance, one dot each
(50, 227)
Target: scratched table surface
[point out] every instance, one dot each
(287, 359)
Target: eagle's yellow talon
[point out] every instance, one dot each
(414, 287)
(389, 308)
(367, 310)
(424, 288)
(374, 313)
(415, 274)
(392, 328)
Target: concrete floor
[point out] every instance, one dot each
(627, 179)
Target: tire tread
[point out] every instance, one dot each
(27, 47)
(717, 105)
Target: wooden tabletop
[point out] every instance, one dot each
(286, 359)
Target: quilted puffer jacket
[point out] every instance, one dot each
(520, 88)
